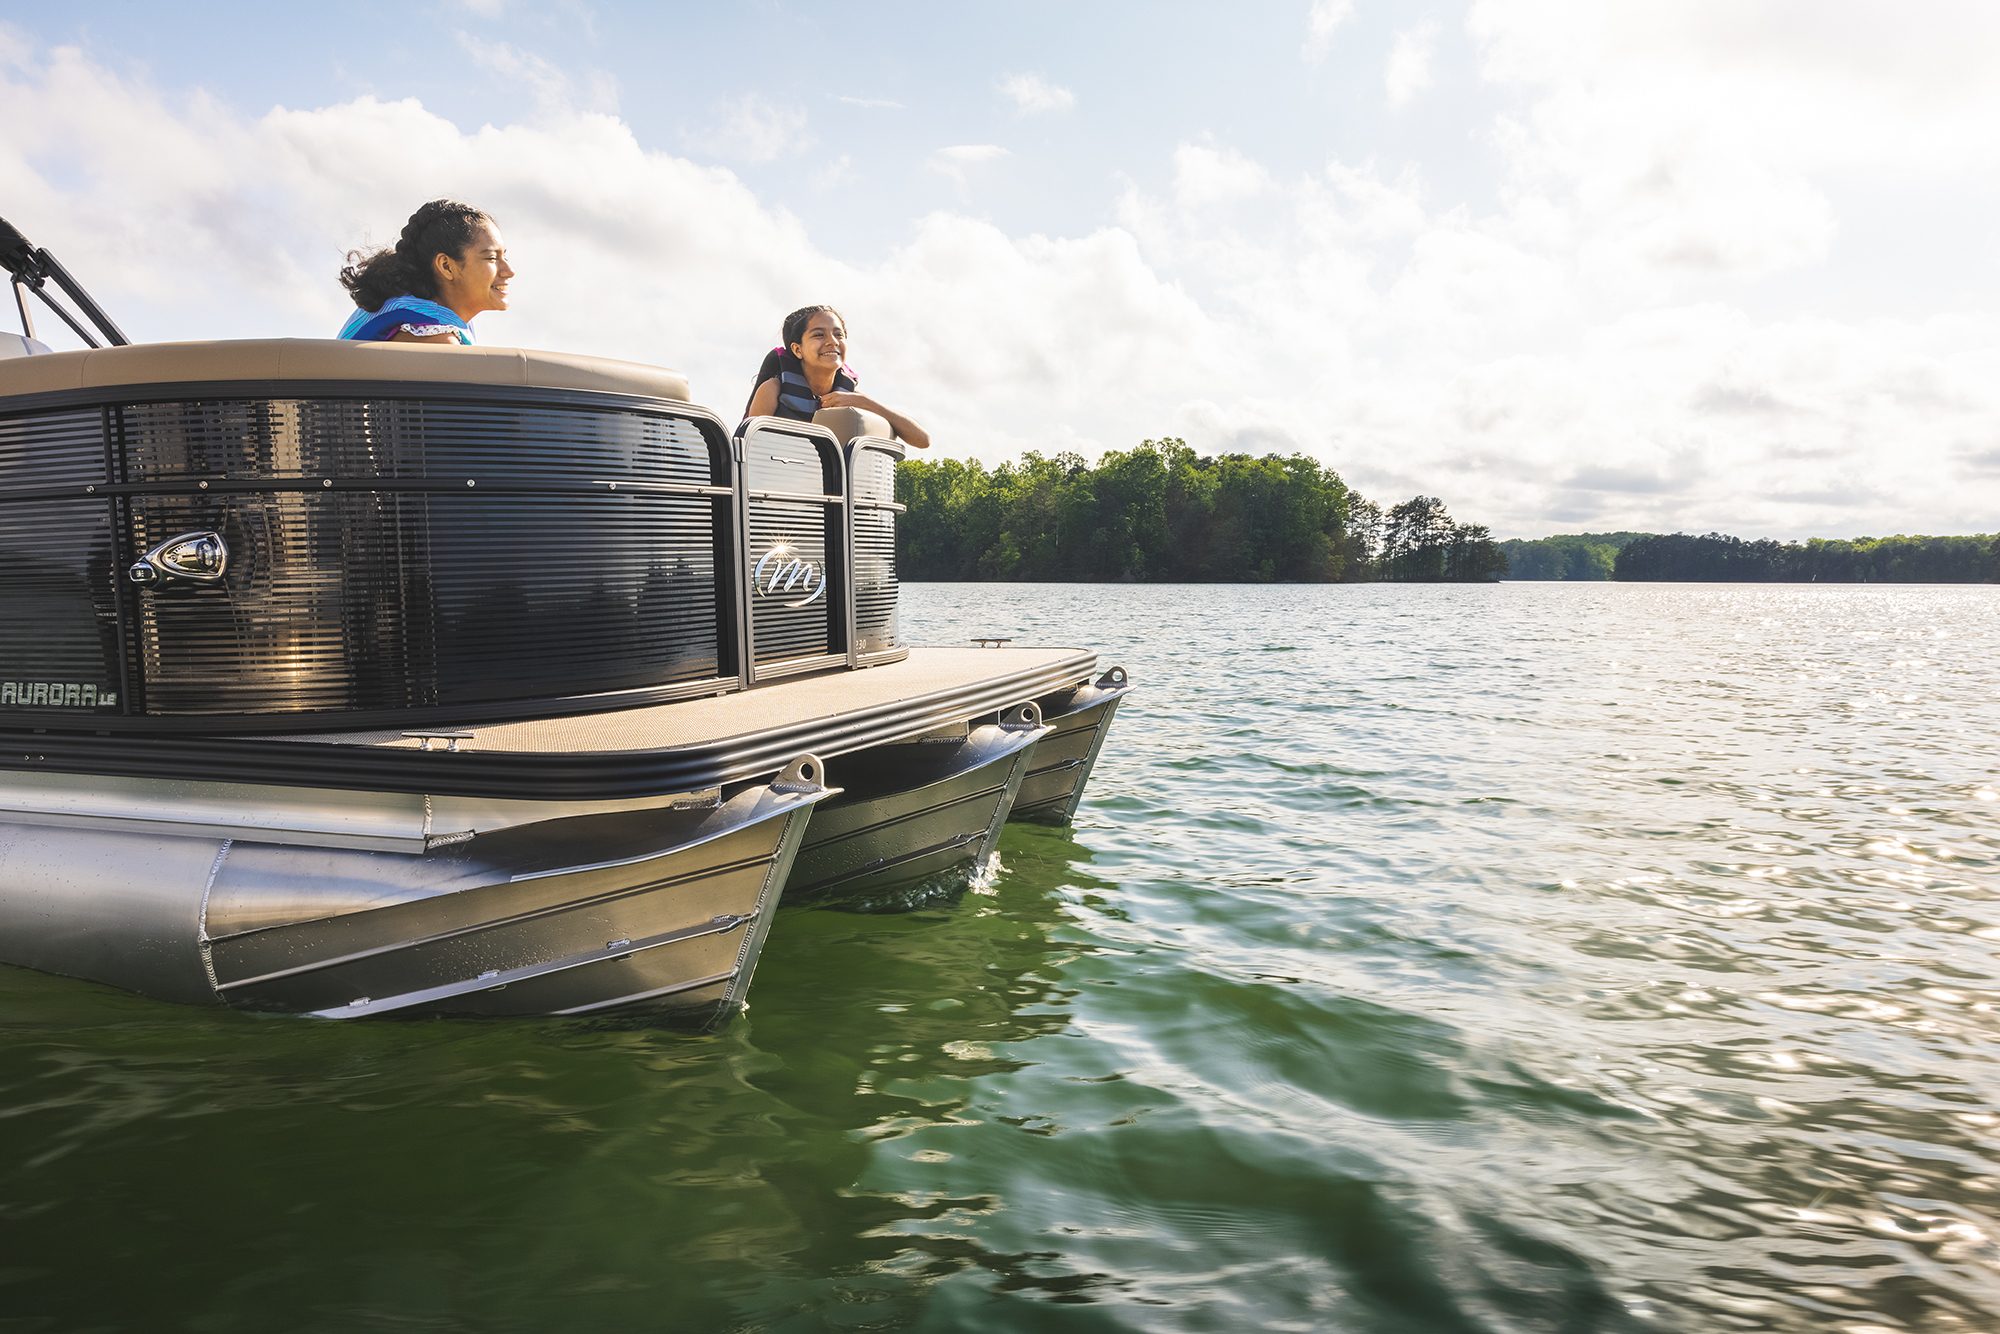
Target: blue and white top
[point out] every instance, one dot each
(424, 319)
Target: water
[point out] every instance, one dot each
(1531, 957)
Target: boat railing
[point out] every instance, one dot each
(841, 537)
(301, 533)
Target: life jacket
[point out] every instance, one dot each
(423, 318)
(796, 401)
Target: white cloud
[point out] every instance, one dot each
(1031, 94)
(1408, 72)
(838, 172)
(1503, 360)
(1206, 175)
(959, 160)
(551, 88)
(1322, 20)
(966, 154)
(1580, 354)
(1701, 139)
(870, 103)
(1847, 84)
(751, 128)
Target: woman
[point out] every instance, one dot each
(448, 266)
(809, 373)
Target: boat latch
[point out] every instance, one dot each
(424, 740)
(196, 558)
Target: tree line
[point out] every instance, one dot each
(1163, 513)
(1719, 558)
(1714, 557)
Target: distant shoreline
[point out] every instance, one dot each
(1161, 513)
(1625, 557)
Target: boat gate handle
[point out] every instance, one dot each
(199, 558)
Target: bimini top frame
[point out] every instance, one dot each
(32, 269)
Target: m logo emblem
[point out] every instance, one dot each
(781, 573)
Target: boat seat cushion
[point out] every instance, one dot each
(852, 423)
(305, 359)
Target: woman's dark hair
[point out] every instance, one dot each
(796, 322)
(441, 227)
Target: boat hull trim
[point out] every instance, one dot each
(667, 914)
(911, 811)
(1061, 763)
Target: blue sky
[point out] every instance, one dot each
(1718, 264)
(1157, 73)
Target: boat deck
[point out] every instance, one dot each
(677, 747)
(722, 718)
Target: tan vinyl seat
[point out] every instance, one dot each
(852, 423)
(307, 359)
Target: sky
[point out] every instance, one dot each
(1708, 265)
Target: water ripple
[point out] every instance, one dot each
(1518, 958)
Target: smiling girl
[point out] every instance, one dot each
(448, 265)
(810, 372)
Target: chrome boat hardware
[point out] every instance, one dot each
(195, 558)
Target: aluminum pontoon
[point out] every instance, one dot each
(356, 679)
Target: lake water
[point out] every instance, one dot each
(1530, 957)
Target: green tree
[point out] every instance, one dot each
(1160, 511)
(1566, 556)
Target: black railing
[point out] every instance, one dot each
(398, 554)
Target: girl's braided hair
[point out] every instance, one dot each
(441, 227)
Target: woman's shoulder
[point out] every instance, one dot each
(420, 317)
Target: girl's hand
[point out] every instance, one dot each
(905, 430)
